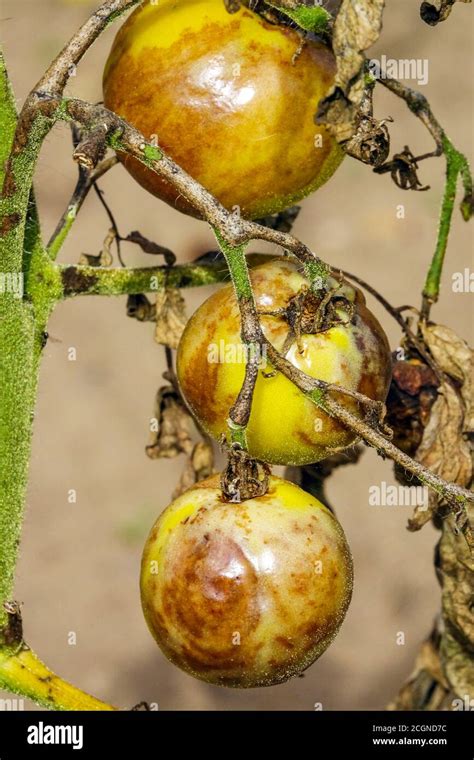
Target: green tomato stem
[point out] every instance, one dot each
(117, 281)
(250, 333)
(456, 165)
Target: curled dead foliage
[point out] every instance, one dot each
(443, 677)
(356, 28)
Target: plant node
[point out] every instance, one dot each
(11, 635)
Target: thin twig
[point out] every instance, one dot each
(419, 105)
(113, 223)
(396, 314)
(84, 183)
(455, 495)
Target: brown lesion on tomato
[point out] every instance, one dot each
(285, 642)
(375, 348)
(317, 624)
(212, 595)
(199, 379)
(198, 517)
(151, 107)
(335, 432)
(304, 438)
(316, 631)
(199, 376)
(213, 482)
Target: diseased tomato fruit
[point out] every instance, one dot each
(246, 594)
(285, 427)
(228, 98)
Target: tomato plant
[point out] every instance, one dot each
(246, 577)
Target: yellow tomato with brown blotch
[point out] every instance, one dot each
(230, 97)
(285, 426)
(247, 594)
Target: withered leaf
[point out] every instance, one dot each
(443, 449)
(139, 307)
(412, 393)
(412, 376)
(456, 359)
(174, 423)
(104, 258)
(427, 687)
(421, 515)
(356, 28)
(170, 317)
(199, 466)
(432, 15)
(148, 246)
(370, 142)
(457, 643)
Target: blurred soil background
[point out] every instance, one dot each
(79, 563)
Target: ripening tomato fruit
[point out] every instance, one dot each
(246, 594)
(285, 427)
(229, 98)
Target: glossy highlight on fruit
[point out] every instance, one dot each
(285, 427)
(248, 594)
(230, 97)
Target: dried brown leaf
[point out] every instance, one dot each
(443, 449)
(457, 642)
(105, 257)
(170, 317)
(455, 358)
(356, 28)
(199, 466)
(148, 246)
(426, 688)
(172, 436)
(421, 516)
(432, 15)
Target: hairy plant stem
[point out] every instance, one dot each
(32, 287)
(81, 280)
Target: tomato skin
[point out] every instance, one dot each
(222, 96)
(285, 427)
(245, 595)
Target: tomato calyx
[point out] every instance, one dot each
(243, 478)
(310, 312)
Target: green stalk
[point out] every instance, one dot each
(456, 164)
(238, 268)
(16, 369)
(118, 281)
(235, 258)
